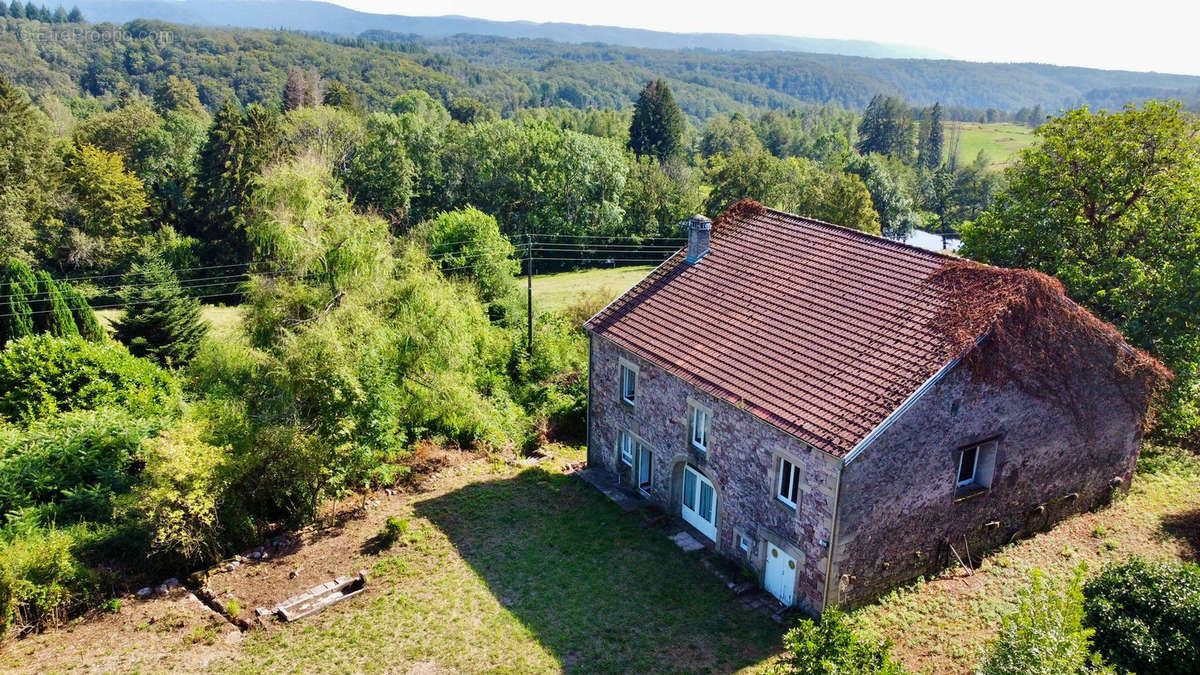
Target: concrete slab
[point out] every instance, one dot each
(686, 541)
(607, 484)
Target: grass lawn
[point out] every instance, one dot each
(526, 570)
(555, 291)
(224, 320)
(1001, 141)
(939, 625)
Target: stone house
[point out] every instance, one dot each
(779, 384)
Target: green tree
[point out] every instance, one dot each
(165, 159)
(178, 94)
(887, 128)
(19, 288)
(1109, 203)
(897, 214)
(727, 135)
(421, 104)
(16, 10)
(657, 126)
(239, 147)
(380, 175)
(467, 243)
(60, 15)
(468, 110)
(105, 216)
(160, 321)
(338, 95)
(117, 130)
(658, 197)
(794, 185)
(933, 138)
(75, 16)
(51, 313)
(82, 313)
(28, 168)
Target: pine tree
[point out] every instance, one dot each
(160, 321)
(16, 11)
(83, 314)
(937, 137)
(60, 15)
(238, 147)
(18, 287)
(30, 11)
(44, 14)
(657, 126)
(3, 10)
(52, 314)
(75, 16)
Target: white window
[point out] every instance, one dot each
(645, 467)
(626, 446)
(628, 383)
(743, 543)
(699, 502)
(787, 489)
(976, 467)
(701, 421)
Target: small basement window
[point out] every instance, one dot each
(976, 467)
(629, 376)
(743, 543)
(787, 490)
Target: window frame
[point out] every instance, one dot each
(695, 410)
(786, 468)
(627, 372)
(983, 473)
(962, 455)
(625, 447)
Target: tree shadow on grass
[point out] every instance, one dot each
(595, 585)
(1186, 528)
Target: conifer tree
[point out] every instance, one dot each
(83, 314)
(657, 126)
(75, 16)
(937, 137)
(3, 10)
(160, 320)
(294, 90)
(16, 11)
(19, 286)
(51, 313)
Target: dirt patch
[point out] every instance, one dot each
(141, 635)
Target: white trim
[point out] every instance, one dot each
(794, 476)
(695, 409)
(635, 285)
(962, 454)
(899, 411)
(624, 365)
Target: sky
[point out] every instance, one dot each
(1146, 35)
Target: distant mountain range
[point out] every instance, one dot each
(308, 15)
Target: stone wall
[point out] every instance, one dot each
(898, 512)
(741, 462)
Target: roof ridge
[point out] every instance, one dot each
(868, 237)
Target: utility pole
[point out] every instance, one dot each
(529, 290)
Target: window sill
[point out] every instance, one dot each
(783, 506)
(968, 492)
(631, 405)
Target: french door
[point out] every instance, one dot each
(699, 503)
(644, 469)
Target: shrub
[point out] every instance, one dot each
(180, 497)
(19, 287)
(67, 468)
(43, 375)
(393, 530)
(831, 646)
(50, 311)
(1147, 616)
(41, 579)
(1045, 634)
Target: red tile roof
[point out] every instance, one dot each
(819, 330)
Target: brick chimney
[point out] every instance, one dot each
(699, 232)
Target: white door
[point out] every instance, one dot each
(780, 576)
(699, 503)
